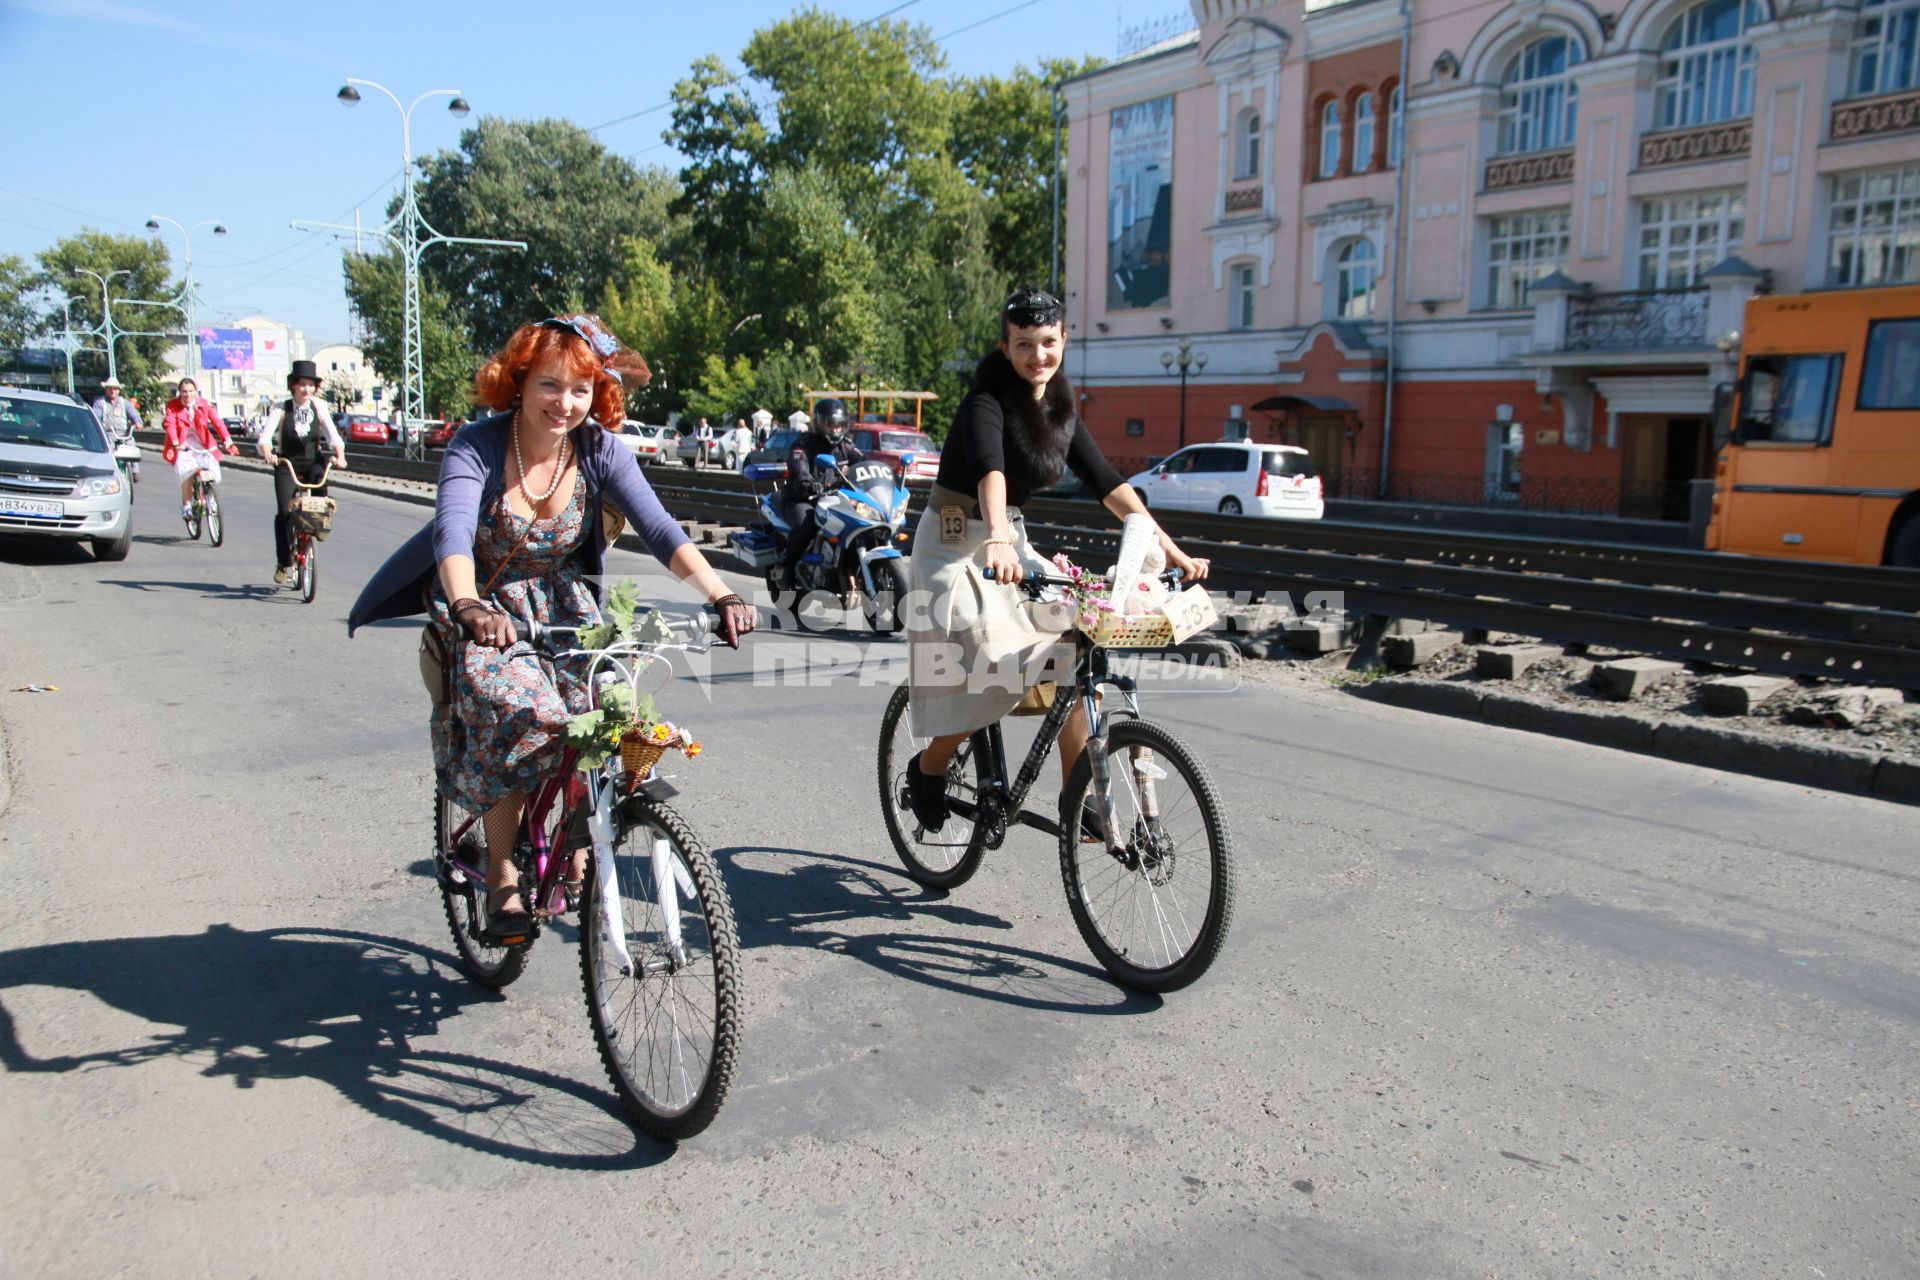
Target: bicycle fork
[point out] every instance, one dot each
(669, 880)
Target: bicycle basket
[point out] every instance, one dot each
(312, 514)
(640, 753)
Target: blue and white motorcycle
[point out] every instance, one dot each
(857, 550)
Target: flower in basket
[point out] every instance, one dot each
(624, 716)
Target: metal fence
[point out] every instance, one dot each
(1573, 495)
(1640, 320)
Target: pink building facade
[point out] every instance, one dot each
(1472, 252)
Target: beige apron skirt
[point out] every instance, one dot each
(975, 646)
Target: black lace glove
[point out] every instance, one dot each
(737, 618)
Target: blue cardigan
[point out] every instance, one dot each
(472, 474)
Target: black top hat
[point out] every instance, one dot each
(302, 369)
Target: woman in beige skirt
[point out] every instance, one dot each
(975, 648)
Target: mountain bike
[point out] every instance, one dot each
(306, 552)
(1154, 901)
(203, 506)
(659, 951)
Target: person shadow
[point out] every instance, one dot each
(343, 1007)
(845, 905)
(211, 590)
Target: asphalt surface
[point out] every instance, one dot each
(1494, 1004)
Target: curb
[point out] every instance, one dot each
(1891, 778)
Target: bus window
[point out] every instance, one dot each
(1890, 378)
(1789, 399)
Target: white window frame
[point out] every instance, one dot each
(1539, 112)
(1246, 146)
(1363, 114)
(1701, 230)
(1514, 252)
(1243, 282)
(1330, 138)
(1396, 126)
(1885, 57)
(1506, 449)
(1704, 81)
(1887, 252)
(1351, 300)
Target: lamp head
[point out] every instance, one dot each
(458, 108)
(1166, 360)
(348, 95)
(153, 224)
(219, 228)
(1201, 359)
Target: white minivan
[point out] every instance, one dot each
(1275, 480)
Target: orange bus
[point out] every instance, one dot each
(1822, 458)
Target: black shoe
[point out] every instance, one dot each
(1093, 826)
(926, 796)
(507, 926)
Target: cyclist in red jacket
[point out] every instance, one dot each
(192, 427)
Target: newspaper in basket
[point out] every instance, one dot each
(312, 514)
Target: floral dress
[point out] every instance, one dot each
(506, 725)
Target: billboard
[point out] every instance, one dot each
(226, 348)
(1140, 204)
(270, 350)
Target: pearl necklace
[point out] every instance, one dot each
(559, 469)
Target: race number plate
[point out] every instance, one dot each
(953, 524)
(34, 507)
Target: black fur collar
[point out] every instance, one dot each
(1038, 431)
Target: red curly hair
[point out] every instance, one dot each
(500, 379)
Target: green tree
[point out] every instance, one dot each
(725, 391)
(140, 362)
(376, 293)
(814, 279)
(551, 184)
(19, 318)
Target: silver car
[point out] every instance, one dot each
(59, 478)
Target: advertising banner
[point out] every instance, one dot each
(226, 348)
(270, 351)
(1140, 204)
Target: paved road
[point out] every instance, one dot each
(1495, 1004)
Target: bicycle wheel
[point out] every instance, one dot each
(669, 1029)
(1155, 909)
(216, 527)
(466, 902)
(195, 506)
(943, 859)
(309, 571)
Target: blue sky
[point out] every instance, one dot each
(119, 110)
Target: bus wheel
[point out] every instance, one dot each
(1905, 551)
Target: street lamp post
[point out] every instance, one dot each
(1182, 359)
(106, 313)
(404, 234)
(66, 336)
(186, 276)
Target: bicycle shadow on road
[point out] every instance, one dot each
(333, 1005)
(820, 901)
(211, 590)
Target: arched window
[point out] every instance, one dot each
(1706, 65)
(1363, 133)
(1354, 273)
(1396, 127)
(1537, 106)
(1330, 139)
(1886, 47)
(1246, 145)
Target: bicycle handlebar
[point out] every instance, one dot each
(702, 625)
(1033, 581)
(318, 484)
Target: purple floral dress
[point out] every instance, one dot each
(506, 726)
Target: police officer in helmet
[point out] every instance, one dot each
(827, 433)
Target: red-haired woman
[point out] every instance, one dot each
(518, 522)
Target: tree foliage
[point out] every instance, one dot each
(140, 362)
(19, 317)
(376, 290)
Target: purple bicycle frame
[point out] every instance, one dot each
(549, 793)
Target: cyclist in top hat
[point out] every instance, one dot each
(301, 431)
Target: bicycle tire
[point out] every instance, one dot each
(950, 860)
(193, 516)
(465, 903)
(216, 526)
(700, 1000)
(1106, 894)
(309, 573)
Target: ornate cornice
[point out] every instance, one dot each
(1536, 169)
(1691, 146)
(1871, 117)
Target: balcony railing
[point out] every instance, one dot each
(1534, 169)
(1724, 141)
(1870, 117)
(1643, 320)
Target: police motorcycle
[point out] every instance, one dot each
(857, 549)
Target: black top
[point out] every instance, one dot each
(1044, 434)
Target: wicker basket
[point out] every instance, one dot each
(640, 753)
(312, 515)
(1193, 609)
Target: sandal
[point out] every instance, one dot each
(506, 927)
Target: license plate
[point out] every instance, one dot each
(32, 507)
(1295, 493)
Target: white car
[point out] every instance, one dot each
(59, 477)
(1279, 481)
(647, 442)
